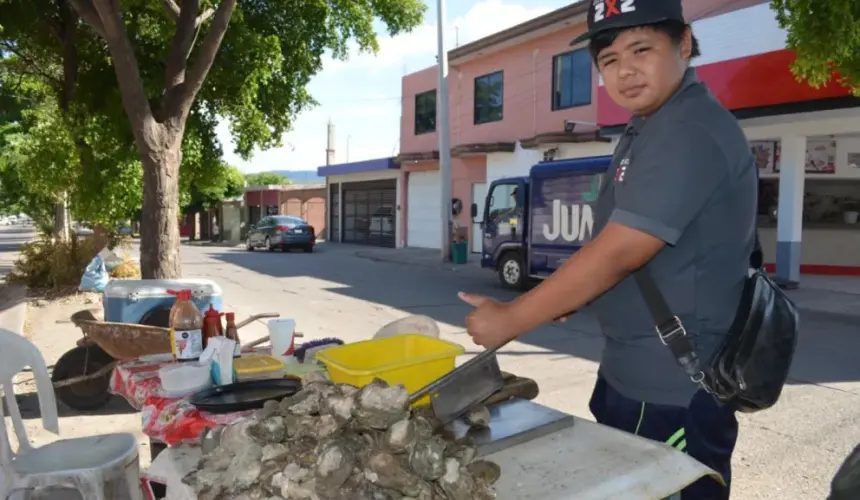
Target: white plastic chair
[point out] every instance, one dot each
(99, 467)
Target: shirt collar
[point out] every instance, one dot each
(634, 126)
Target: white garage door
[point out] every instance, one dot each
(423, 210)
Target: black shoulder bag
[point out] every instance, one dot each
(748, 372)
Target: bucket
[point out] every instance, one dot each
(411, 360)
(460, 252)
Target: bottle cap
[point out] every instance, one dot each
(231, 316)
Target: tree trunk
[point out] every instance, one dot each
(61, 219)
(159, 228)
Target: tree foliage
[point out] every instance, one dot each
(825, 35)
(267, 179)
(149, 69)
(225, 181)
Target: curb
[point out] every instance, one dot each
(197, 243)
(464, 269)
(13, 308)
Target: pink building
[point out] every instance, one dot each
(524, 95)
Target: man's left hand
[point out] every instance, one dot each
(491, 323)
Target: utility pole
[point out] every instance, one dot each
(444, 131)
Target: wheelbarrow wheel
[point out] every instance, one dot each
(86, 395)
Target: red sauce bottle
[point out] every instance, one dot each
(211, 325)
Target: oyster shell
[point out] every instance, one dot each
(463, 450)
(428, 458)
(268, 430)
(314, 377)
(390, 472)
(478, 417)
(332, 442)
(456, 482)
(379, 405)
(401, 436)
(484, 470)
(333, 467)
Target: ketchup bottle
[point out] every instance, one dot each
(211, 325)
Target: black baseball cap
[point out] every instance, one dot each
(604, 15)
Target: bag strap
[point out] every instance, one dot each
(670, 329)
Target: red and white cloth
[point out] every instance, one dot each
(169, 420)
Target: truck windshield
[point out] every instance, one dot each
(502, 200)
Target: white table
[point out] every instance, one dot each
(587, 461)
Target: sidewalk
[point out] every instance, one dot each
(419, 257)
(13, 308)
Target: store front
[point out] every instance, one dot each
(363, 202)
(806, 142)
(809, 195)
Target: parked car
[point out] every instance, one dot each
(281, 232)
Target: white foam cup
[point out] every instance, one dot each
(282, 337)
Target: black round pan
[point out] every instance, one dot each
(241, 396)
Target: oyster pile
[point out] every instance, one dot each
(339, 442)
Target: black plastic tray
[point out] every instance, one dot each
(241, 396)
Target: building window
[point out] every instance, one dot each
(571, 81)
(489, 93)
(425, 112)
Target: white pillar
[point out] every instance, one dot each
(444, 131)
(792, 174)
(398, 213)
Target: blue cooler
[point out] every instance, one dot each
(147, 302)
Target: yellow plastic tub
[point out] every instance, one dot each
(411, 360)
(258, 368)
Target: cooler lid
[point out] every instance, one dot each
(158, 288)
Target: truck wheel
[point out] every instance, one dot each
(511, 273)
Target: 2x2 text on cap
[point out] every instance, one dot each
(604, 9)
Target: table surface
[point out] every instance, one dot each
(587, 461)
(168, 420)
(590, 461)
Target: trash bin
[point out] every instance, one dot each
(459, 252)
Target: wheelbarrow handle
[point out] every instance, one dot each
(247, 321)
(444, 379)
(263, 340)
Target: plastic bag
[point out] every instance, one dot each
(110, 258)
(95, 276)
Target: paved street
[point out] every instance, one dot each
(787, 453)
(11, 239)
(790, 452)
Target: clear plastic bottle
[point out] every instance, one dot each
(186, 328)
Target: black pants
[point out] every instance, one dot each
(706, 430)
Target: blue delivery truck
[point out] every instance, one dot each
(531, 225)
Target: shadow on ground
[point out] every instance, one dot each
(826, 350)
(28, 404)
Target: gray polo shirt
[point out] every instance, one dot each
(684, 175)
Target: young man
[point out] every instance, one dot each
(681, 198)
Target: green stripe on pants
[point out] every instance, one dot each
(676, 437)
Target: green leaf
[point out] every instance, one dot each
(825, 35)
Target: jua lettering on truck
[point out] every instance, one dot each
(571, 222)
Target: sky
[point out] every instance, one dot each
(366, 113)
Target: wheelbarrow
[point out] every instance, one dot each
(81, 377)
